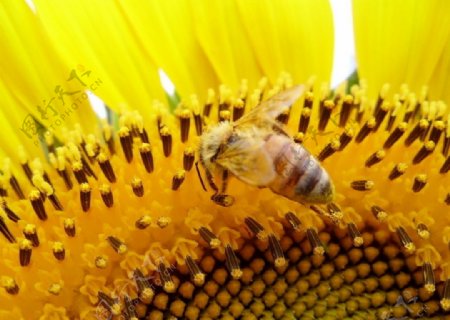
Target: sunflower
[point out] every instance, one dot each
(111, 221)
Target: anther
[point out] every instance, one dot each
(314, 240)
(355, 235)
(325, 114)
(223, 200)
(38, 204)
(277, 252)
(108, 137)
(365, 130)
(445, 301)
(147, 157)
(256, 228)
(398, 170)
(66, 178)
(445, 166)
(232, 263)
(163, 222)
(6, 232)
(375, 158)
(112, 305)
(58, 251)
(143, 222)
(345, 138)
(284, 116)
(16, 187)
(345, 110)
(381, 96)
(188, 158)
(26, 168)
(3, 192)
(391, 120)
(30, 233)
(69, 227)
(380, 114)
(299, 137)
(436, 131)
(79, 173)
(185, 124)
(395, 135)
(304, 119)
(130, 310)
(101, 262)
(166, 279)
(405, 240)
(419, 182)
(178, 179)
(55, 201)
(362, 185)
(379, 213)
(238, 109)
(106, 167)
(209, 237)
(86, 167)
(197, 276)
(418, 130)
(107, 195)
(85, 196)
(25, 249)
(224, 99)
(198, 121)
(335, 213)
(318, 210)
(446, 144)
(137, 186)
(428, 276)
(209, 103)
(126, 141)
(422, 231)
(293, 220)
(9, 213)
(224, 115)
(424, 152)
(10, 285)
(145, 290)
(117, 245)
(329, 149)
(166, 139)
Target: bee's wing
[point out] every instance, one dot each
(248, 161)
(264, 114)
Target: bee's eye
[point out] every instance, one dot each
(232, 138)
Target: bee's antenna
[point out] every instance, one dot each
(200, 176)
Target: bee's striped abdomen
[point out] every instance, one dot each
(300, 176)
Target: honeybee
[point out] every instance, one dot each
(257, 150)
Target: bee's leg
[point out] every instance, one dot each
(224, 181)
(200, 176)
(222, 199)
(211, 183)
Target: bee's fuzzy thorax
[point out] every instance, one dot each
(212, 139)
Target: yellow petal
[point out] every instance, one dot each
(97, 35)
(222, 35)
(165, 32)
(294, 36)
(399, 41)
(440, 80)
(11, 121)
(34, 74)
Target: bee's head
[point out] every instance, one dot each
(212, 141)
